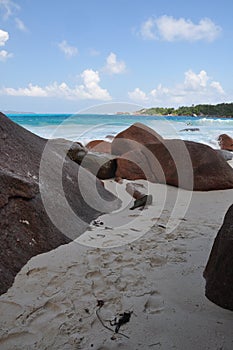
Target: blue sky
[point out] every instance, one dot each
(63, 56)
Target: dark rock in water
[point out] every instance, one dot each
(185, 164)
(110, 137)
(142, 202)
(225, 142)
(45, 198)
(190, 129)
(136, 135)
(227, 155)
(219, 269)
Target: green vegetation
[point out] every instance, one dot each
(219, 110)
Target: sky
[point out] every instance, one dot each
(63, 56)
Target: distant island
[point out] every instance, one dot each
(17, 112)
(220, 110)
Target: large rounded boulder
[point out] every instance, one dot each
(100, 146)
(185, 164)
(131, 138)
(46, 199)
(219, 269)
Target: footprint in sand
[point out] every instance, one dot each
(158, 260)
(44, 314)
(36, 270)
(154, 304)
(93, 274)
(13, 338)
(9, 309)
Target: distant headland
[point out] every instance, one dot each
(18, 112)
(223, 110)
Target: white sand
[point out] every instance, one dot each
(156, 274)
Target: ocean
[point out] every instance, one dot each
(86, 127)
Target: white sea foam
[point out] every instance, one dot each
(98, 127)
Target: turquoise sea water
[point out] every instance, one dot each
(85, 127)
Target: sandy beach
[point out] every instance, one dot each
(116, 175)
(149, 263)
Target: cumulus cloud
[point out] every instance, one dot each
(31, 90)
(113, 66)
(159, 92)
(4, 55)
(195, 81)
(90, 89)
(196, 88)
(67, 49)
(138, 95)
(216, 85)
(171, 29)
(147, 29)
(4, 36)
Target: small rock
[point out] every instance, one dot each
(190, 129)
(142, 202)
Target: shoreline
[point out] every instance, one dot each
(85, 129)
(135, 114)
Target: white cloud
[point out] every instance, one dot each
(195, 81)
(20, 25)
(4, 36)
(90, 89)
(67, 49)
(8, 8)
(196, 88)
(159, 92)
(113, 66)
(138, 95)
(147, 29)
(4, 55)
(31, 90)
(171, 29)
(216, 85)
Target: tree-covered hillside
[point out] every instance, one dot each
(219, 110)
